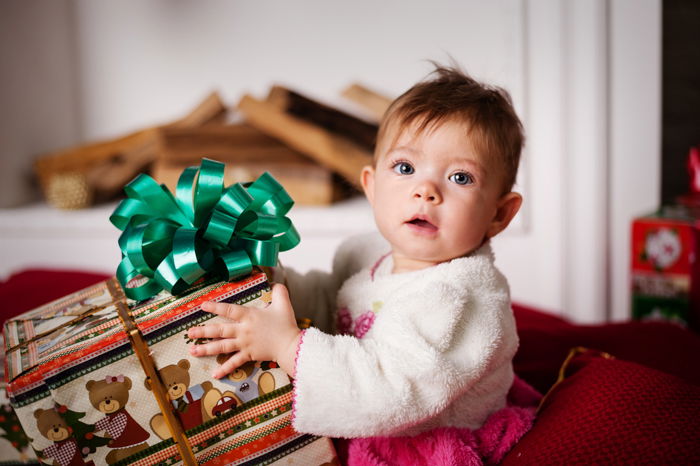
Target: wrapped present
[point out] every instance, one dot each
(103, 376)
(665, 272)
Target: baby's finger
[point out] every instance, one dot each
(230, 365)
(279, 293)
(226, 345)
(228, 310)
(219, 330)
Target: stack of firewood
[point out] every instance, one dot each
(315, 151)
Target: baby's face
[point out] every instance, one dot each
(434, 199)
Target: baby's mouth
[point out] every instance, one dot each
(423, 224)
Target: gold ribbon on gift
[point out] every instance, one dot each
(78, 318)
(75, 321)
(140, 347)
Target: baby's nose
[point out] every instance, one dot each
(428, 192)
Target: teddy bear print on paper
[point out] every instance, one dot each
(109, 396)
(245, 381)
(193, 405)
(65, 450)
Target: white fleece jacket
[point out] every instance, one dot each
(424, 349)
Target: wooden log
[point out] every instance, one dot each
(109, 176)
(80, 177)
(247, 153)
(338, 153)
(106, 165)
(376, 104)
(234, 143)
(211, 110)
(307, 183)
(81, 158)
(77, 158)
(360, 132)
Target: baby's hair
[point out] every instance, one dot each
(449, 93)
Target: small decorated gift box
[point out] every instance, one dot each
(104, 376)
(665, 272)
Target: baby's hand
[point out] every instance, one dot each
(268, 334)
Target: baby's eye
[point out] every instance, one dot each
(403, 168)
(461, 178)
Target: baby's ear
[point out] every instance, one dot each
(508, 205)
(367, 181)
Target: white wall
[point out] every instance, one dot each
(581, 74)
(635, 132)
(38, 90)
(144, 62)
(593, 115)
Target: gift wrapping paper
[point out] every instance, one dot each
(79, 391)
(14, 444)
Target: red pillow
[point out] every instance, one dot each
(610, 411)
(545, 341)
(31, 288)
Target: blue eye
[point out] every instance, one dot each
(461, 178)
(404, 168)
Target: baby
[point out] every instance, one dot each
(414, 329)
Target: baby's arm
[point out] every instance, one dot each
(421, 354)
(254, 334)
(313, 297)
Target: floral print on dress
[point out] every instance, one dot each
(359, 328)
(364, 323)
(344, 321)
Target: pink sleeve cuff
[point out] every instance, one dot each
(294, 385)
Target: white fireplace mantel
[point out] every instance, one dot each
(41, 236)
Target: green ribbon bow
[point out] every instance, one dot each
(173, 241)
